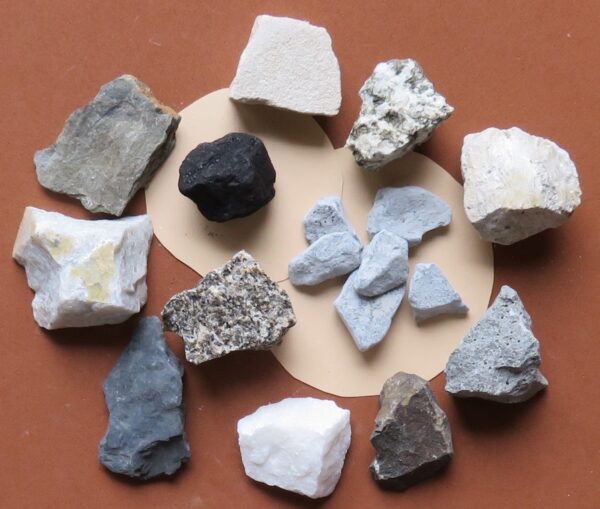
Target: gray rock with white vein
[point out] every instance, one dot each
(326, 216)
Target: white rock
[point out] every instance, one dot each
(83, 273)
(400, 110)
(516, 184)
(290, 64)
(326, 216)
(298, 444)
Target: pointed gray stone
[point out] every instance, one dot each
(326, 216)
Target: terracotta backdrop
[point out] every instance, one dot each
(532, 64)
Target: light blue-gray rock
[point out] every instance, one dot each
(330, 256)
(384, 265)
(326, 216)
(499, 357)
(409, 212)
(431, 294)
(367, 318)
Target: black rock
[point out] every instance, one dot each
(228, 178)
(145, 436)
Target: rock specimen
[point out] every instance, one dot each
(431, 294)
(109, 148)
(289, 64)
(400, 110)
(228, 178)
(235, 307)
(499, 357)
(332, 255)
(298, 444)
(384, 265)
(409, 212)
(516, 184)
(367, 318)
(412, 436)
(326, 216)
(83, 272)
(145, 436)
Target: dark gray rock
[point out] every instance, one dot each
(412, 437)
(110, 148)
(228, 178)
(143, 392)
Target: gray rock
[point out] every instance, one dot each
(235, 307)
(412, 437)
(326, 216)
(367, 318)
(499, 357)
(330, 256)
(384, 265)
(110, 148)
(409, 212)
(145, 436)
(431, 294)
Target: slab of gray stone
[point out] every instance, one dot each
(412, 436)
(499, 357)
(145, 436)
(110, 148)
(235, 307)
(326, 216)
(409, 212)
(384, 265)
(332, 255)
(431, 294)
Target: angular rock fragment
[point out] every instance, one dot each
(400, 110)
(83, 273)
(332, 255)
(229, 178)
(110, 148)
(326, 216)
(431, 294)
(412, 437)
(384, 265)
(516, 184)
(289, 64)
(298, 444)
(499, 357)
(145, 436)
(367, 318)
(235, 307)
(409, 212)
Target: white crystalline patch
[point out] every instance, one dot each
(516, 184)
(290, 64)
(83, 273)
(298, 444)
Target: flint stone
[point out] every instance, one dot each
(412, 437)
(326, 216)
(228, 178)
(83, 273)
(235, 307)
(400, 110)
(110, 148)
(516, 184)
(143, 392)
(289, 64)
(409, 212)
(499, 357)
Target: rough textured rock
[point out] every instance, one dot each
(228, 178)
(110, 148)
(409, 212)
(235, 307)
(431, 294)
(400, 110)
(83, 272)
(516, 184)
(384, 265)
(367, 318)
(412, 437)
(298, 444)
(290, 64)
(145, 436)
(499, 357)
(326, 216)
(332, 255)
